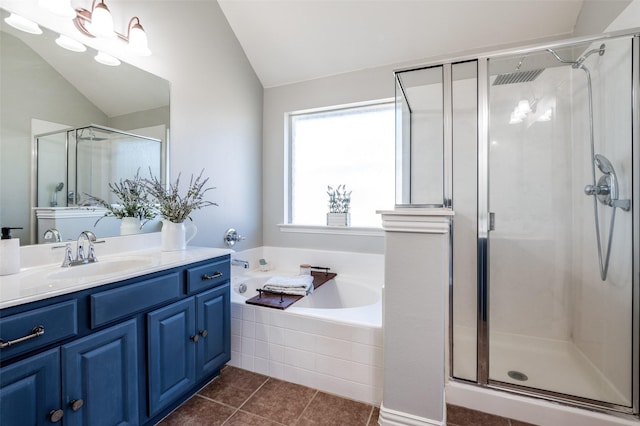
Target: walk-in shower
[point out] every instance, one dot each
(541, 162)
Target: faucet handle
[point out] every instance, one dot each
(231, 237)
(68, 254)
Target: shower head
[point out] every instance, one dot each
(59, 186)
(517, 77)
(604, 165)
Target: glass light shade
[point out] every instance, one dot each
(546, 116)
(515, 118)
(523, 106)
(106, 59)
(138, 41)
(61, 8)
(70, 44)
(23, 24)
(101, 24)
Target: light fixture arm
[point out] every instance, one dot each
(129, 26)
(83, 16)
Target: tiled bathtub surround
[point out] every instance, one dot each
(335, 357)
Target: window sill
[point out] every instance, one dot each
(332, 230)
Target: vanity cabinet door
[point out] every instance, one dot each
(171, 352)
(213, 327)
(100, 378)
(30, 390)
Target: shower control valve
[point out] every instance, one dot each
(596, 189)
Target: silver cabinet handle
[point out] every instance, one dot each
(36, 332)
(206, 277)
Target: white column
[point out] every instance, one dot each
(415, 294)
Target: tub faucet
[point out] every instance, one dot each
(238, 262)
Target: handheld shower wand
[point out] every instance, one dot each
(58, 188)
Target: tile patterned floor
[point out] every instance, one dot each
(460, 416)
(242, 398)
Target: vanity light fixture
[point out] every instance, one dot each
(70, 44)
(98, 22)
(95, 23)
(23, 24)
(60, 8)
(106, 59)
(137, 38)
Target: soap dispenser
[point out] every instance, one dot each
(9, 252)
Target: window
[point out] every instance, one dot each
(351, 146)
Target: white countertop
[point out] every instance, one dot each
(37, 282)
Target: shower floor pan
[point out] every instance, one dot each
(551, 365)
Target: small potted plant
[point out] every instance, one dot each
(175, 208)
(133, 207)
(339, 203)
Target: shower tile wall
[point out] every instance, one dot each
(345, 360)
(530, 282)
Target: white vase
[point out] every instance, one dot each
(130, 226)
(175, 236)
(338, 219)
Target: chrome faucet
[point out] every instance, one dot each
(85, 241)
(238, 262)
(52, 234)
(90, 257)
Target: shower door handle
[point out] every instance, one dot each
(492, 221)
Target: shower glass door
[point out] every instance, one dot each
(556, 322)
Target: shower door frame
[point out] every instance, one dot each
(482, 368)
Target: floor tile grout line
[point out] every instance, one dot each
(370, 416)
(236, 409)
(308, 404)
(262, 417)
(244, 402)
(254, 392)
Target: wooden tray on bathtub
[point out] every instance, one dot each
(285, 300)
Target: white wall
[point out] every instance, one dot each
(216, 104)
(360, 86)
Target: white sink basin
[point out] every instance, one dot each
(100, 268)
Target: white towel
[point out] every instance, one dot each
(299, 285)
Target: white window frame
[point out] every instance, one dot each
(289, 227)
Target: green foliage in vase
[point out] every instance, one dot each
(133, 200)
(339, 199)
(177, 207)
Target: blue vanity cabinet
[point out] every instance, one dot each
(30, 390)
(91, 381)
(171, 352)
(213, 327)
(123, 353)
(188, 342)
(100, 377)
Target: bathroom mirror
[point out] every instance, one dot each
(45, 89)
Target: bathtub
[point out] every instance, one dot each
(330, 340)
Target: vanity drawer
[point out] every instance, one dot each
(121, 302)
(59, 321)
(209, 275)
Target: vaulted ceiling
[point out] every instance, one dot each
(288, 41)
